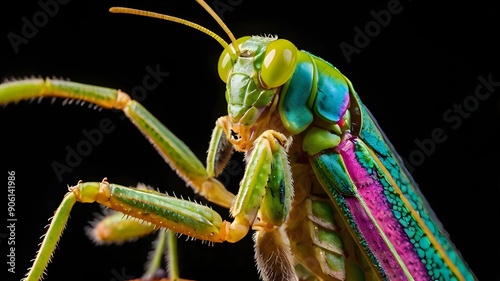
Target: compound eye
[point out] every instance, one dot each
(228, 58)
(279, 63)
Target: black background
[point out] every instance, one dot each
(425, 61)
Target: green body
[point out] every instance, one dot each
(378, 204)
(412, 215)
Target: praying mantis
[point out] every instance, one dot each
(167, 184)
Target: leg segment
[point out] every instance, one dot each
(178, 215)
(115, 228)
(173, 150)
(181, 216)
(268, 161)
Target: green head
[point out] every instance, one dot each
(253, 67)
(254, 71)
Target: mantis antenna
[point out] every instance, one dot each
(221, 23)
(123, 10)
